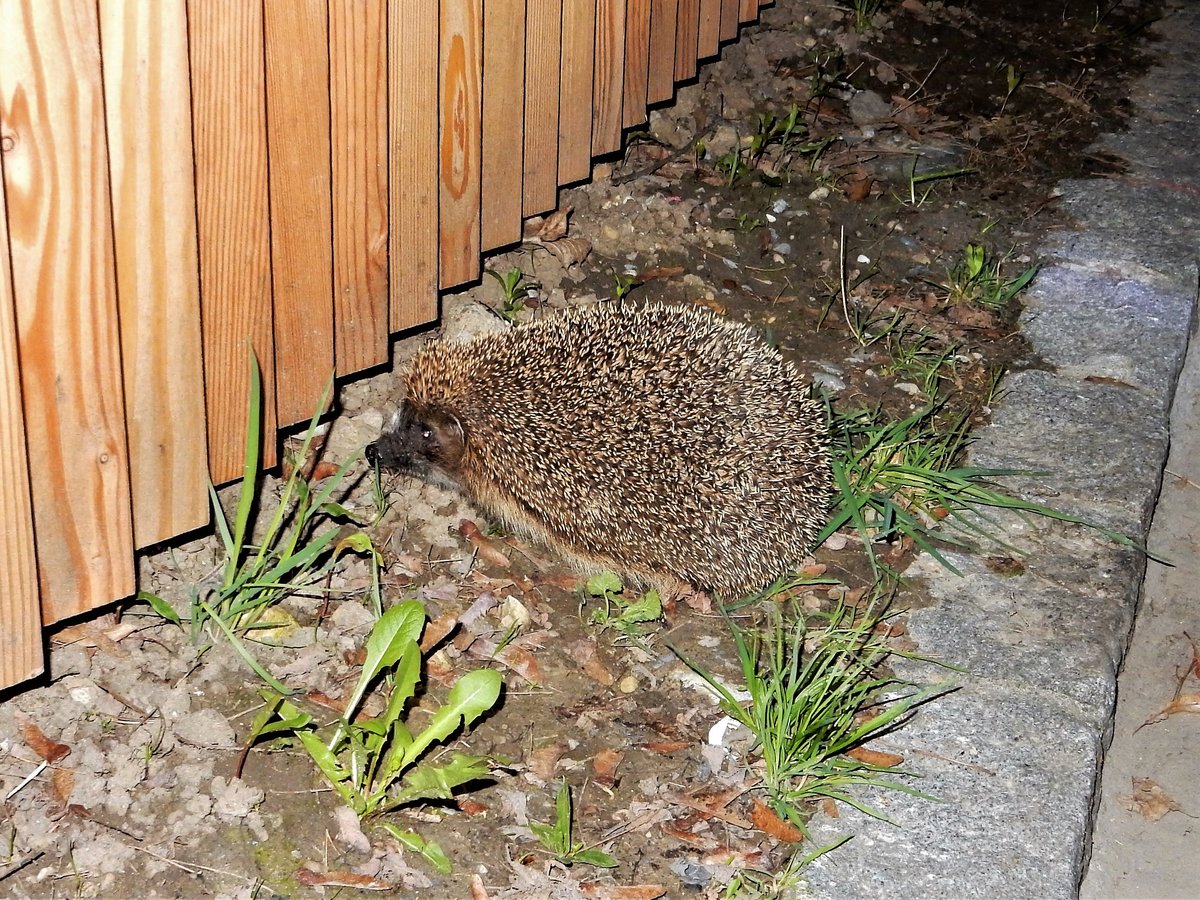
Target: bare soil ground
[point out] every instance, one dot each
(934, 127)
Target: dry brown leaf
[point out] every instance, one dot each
(554, 226)
(91, 635)
(631, 892)
(522, 662)
(570, 251)
(858, 188)
(50, 751)
(62, 783)
(1149, 800)
(436, 631)
(544, 761)
(714, 805)
(478, 891)
(1183, 703)
(311, 878)
(1194, 669)
(471, 807)
(829, 807)
(659, 272)
(604, 764)
(484, 546)
(587, 655)
(875, 757)
(682, 829)
(766, 820)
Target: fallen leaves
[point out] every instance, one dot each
(1183, 703)
(1149, 800)
(766, 820)
(49, 750)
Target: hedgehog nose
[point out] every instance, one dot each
(371, 453)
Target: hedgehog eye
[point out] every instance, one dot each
(427, 433)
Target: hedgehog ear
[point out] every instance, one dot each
(451, 440)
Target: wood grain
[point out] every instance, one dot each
(20, 615)
(230, 140)
(64, 288)
(687, 35)
(358, 118)
(709, 42)
(297, 55)
(729, 19)
(608, 85)
(412, 163)
(144, 45)
(543, 47)
(575, 92)
(748, 11)
(660, 86)
(503, 115)
(637, 61)
(461, 139)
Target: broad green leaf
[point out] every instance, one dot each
(429, 850)
(594, 858)
(472, 695)
(427, 782)
(604, 583)
(160, 606)
(396, 629)
(334, 772)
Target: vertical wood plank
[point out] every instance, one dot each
(637, 61)
(298, 137)
(687, 36)
(20, 615)
(660, 85)
(709, 42)
(144, 44)
(413, 56)
(729, 19)
(358, 115)
(461, 139)
(577, 72)
(609, 84)
(503, 117)
(230, 137)
(543, 46)
(64, 286)
(748, 11)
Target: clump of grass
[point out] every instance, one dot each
(904, 480)
(302, 542)
(817, 691)
(979, 278)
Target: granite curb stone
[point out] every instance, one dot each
(1013, 755)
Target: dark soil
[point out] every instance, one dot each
(145, 801)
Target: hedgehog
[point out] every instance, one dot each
(665, 443)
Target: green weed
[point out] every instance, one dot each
(299, 547)
(816, 693)
(902, 480)
(916, 180)
(976, 278)
(559, 838)
(623, 614)
(864, 13)
(517, 288)
(379, 764)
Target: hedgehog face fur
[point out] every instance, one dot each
(665, 443)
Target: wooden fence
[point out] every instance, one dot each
(183, 178)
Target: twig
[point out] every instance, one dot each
(20, 864)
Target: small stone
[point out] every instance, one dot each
(628, 684)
